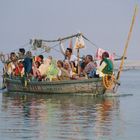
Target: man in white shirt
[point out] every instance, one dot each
(69, 56)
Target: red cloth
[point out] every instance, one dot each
(38, 59)
(18, 69)
(100, 52)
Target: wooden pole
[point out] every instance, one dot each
(127, 42)
(78, 56)
(64, 38)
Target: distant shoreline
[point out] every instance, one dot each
(128, 64)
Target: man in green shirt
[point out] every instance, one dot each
(106, 65)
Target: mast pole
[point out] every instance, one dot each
(127, 42)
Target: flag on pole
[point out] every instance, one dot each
(71, 44)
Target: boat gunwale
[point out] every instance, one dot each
(56, 82)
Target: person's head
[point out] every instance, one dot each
(67, 65)
(105, 55)
(68, 51)
(50, 57)
(29, 54)
(41, 57)
(88, 59)
(59, 63)
(13, 56)
(37, 64)
(22, 51)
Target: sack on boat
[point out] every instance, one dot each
(79, 43)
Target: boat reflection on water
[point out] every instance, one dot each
(61, 116)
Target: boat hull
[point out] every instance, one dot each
(90, 86)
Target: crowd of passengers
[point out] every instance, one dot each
(41, 69)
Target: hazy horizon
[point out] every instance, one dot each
(105, 23)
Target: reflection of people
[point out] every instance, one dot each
(104, 116)
(84, 116)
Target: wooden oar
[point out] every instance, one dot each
(127, 42)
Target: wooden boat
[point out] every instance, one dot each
(87, 86)
(94, 86)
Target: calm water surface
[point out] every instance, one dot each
(69, 117)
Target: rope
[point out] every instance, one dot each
(53, 47)
(90, 42)
(69, 37)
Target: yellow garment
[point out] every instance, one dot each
(10, 68)
(44, 67)
(64, 75)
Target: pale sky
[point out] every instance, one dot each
(104, 22)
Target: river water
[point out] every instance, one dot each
(69, 117)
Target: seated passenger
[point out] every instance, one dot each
(36, 72)
(19, 69)
(52, 71)
(89, 65)
(106, 67)
(11, 64)
(40, 59)
(68, 68)
(62, 73)
(43, 68)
